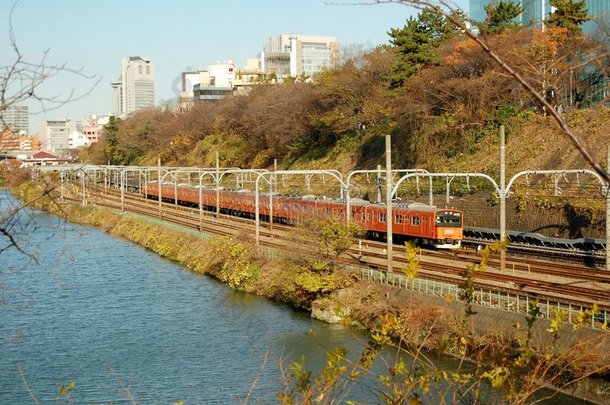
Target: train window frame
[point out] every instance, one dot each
(449, 219)
(382, 217)
(416, 221)
(398, 219)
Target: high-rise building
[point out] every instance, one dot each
(16, 118)
(293, 55)
(533, 11)
(135, 88)
(600, 11)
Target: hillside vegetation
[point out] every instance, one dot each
(434, 90)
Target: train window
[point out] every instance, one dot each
(416, 221)
(449, 219)
(398, 219)
(369, 216)
(381, 217)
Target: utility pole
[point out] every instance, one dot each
(608, 212)
(159, 183)
(217, 186)
(388, 201)
(502, 196)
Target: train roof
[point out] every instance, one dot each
(355, 202)
(413, 206)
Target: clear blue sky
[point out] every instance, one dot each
(177, 35)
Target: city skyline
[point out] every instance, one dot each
(177, 36)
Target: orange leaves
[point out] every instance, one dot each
(459, 51)
(548, 42)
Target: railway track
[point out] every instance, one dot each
(566, 283)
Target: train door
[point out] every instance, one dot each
(398, 226)
(416, 225)
(428, 225)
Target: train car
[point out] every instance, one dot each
(438, 227)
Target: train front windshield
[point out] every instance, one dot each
(449, 219)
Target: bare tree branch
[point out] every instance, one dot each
(21, 79)
(5, 227)
(27, 387)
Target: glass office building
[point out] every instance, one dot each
(533, 11)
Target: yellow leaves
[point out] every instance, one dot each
(461, 378)
(497, 376)
(336, 236)
(66, 390)
(586, 316)
(237, 270)
(424, 383)
(414, 400)
(387, 324)
(556, 322)
(487, 251)
(315, 283)
(463, 345)
(412, 255)
(524, 358)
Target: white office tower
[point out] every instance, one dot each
(135, 89)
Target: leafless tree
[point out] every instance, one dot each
(21, 81)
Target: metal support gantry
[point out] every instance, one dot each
(120, 176)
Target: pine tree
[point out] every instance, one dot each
(501, 15)
(416, 43)
(569, 14)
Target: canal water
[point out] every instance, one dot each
(124, 323)
(127, 325)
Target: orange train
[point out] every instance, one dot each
(438, 227)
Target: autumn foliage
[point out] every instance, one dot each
(452, 100)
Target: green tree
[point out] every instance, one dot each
(111, 131)
(569, 14)
(416, 44)
(501, 15)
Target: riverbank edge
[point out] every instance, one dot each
(343, 299)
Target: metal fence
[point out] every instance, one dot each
(516, 303)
